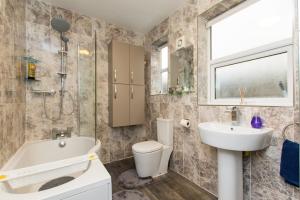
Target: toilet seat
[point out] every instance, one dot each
(147, 147)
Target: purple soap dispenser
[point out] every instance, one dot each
(256, 121)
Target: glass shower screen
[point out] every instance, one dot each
(86, 69)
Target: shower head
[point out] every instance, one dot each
(59, 24)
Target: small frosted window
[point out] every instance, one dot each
(164, 55)
(298, 15)
(261, 23)
(164, 58)
(164, 77)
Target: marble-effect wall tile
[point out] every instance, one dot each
(38, 12)
(12, 86)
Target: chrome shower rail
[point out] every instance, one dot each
(44, 92)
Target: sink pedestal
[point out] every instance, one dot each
(230, 175)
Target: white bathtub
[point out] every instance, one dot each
(37, 163)
(39, 152)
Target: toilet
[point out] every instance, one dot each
(152, 157)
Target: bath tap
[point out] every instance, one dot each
(61, 133)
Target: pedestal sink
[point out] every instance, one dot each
(231, 141)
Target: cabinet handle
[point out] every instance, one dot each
(115, 92)
(115, 75)
(131, 77)
(131, 92)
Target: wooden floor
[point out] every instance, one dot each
(168, 187)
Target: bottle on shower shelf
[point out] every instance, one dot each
(31, 65)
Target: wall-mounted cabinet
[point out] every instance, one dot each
(137, 61)
(119, 112)
(119, 62)
(137, 104)
(126, 84)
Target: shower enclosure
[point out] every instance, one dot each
(76, 92)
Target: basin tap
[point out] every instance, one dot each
(235, 118)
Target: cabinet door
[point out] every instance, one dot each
(137, 65)
(120, 62)
(137, 104)
(120, 105)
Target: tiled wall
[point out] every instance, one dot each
(191, 158)
(43, 43)
(12, 85)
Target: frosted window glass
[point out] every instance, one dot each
(298, 15)
(261, 78)
(261, 23)
(164, 58)
(164, 80)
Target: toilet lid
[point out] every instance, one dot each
(147, 147)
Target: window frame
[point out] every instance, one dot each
(274, 48)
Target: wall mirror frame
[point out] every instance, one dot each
(181, 79)
(159, 66)
(172, 71)
(220, 81)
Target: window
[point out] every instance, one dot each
(164, 63)
(251, 54)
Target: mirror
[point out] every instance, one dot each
(171, 73)
(159, 67)
(182, 71)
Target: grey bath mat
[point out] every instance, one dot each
(130, 180)
(129, 195)
(56, 182)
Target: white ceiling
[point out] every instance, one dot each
(137, 15)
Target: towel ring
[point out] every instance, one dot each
(286, 127)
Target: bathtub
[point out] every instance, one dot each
(43, 170)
